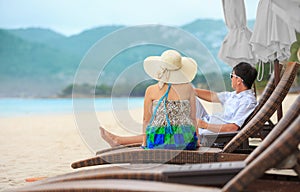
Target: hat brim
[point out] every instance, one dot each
(188, 71)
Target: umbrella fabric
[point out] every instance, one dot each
(289, 11)
(235, 47)
(272, 36)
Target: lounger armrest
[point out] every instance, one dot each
(216, 139)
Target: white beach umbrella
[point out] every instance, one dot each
(288, 11)
(272, 36)
(235, 47)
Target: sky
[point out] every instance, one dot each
(70, 17)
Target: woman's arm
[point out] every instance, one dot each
(147, 112)
(193, 108)
(193, 113)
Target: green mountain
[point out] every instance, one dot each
(38, 62)
(32, 68)
(38, 35)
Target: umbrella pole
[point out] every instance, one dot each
(255, 91)
(277, 79)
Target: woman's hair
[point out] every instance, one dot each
(246, 72)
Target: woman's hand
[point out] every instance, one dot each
(144, 143)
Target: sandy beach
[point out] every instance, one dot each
(46, 145)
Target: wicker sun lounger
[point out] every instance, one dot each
(120, 185)
(249, 177)
(139, 155)
(286, 144)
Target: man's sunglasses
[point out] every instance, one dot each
(233, 75)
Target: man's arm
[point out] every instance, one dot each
(229, 127)
(207, 95)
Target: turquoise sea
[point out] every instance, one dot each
(20, 106)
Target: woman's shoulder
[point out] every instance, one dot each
(152, 90)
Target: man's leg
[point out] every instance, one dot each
(200, 111)
(202, 132)
(201, 114)
(115, 140)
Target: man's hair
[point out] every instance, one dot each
(246, 72)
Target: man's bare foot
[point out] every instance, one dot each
(110, 138)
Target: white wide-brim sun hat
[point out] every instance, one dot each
(170, 67)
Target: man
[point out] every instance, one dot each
(237, 105)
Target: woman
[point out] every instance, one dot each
(169, 120)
